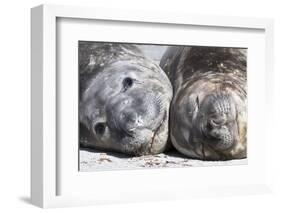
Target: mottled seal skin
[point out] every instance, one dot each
(124, 99)
(208, 118)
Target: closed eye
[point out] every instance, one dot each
(197, 102)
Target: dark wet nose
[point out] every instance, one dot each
(220, 114)
(218, 133)
(219, 110)
(134, 111)
(215, 124)
(130, 119)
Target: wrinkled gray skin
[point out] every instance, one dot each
(208, 118)
(124, 99)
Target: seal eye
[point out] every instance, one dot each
(209, 126)
(127, 83)
(100, 128)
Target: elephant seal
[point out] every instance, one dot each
(208, 118)
(124, 99)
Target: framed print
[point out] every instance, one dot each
(149, 106)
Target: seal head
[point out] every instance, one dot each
(124, 100)
(208, 112)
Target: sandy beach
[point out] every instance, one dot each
(93, 160)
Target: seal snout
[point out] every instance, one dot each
(220, 116)
(134, 111)
(136, 117)
(131, 119)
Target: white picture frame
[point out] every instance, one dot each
(45, 157)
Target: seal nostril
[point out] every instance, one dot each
(130, 117)
(100, 128)
(219, 120)
(127, 83)
(209, 126)
(215, 122)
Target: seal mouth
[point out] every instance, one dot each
(215, 141)
(147, 148)
(215, 125)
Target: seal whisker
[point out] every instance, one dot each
(156, 131)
